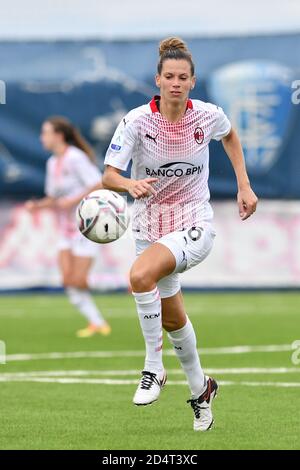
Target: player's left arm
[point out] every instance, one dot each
(246, 198)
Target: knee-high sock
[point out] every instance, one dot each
(83, 301)
(148, 306)
(185, 347)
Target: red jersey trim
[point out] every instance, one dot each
(189, 104)
(153, 104)
(154, 108)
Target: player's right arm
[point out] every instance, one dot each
(118, 156)
(112, 179)
(44, 203)
(48, 201)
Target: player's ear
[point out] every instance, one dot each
(60, 136)
(193, 82)
(157, 80)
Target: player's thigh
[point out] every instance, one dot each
(65, 263)
(155, 262)
(173, 312)
(82, 265)
(189, 247)
(84, 252)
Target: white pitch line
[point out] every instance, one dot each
(262, 384)
(120, 373)
(254, 370)
(134, 382)
(167, 352)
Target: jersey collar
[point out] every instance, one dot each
(156, 99)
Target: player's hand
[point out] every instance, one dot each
(247, 202)
(142, 188)
(64, 203)
(31, 206)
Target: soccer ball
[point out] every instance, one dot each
(102, 216)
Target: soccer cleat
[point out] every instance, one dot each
(149, 388)
(203, 419)
(91, 330)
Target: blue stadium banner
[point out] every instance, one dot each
(95, 83)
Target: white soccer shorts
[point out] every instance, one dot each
(189, 247)
(79, 246)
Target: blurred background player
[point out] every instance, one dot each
(167, 141)
(71, 174)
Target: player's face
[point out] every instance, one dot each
(49, 137)
(175, 80)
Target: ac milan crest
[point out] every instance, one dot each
(199, 135)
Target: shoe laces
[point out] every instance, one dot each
(148, 379)
(196, 406)
(196, 402)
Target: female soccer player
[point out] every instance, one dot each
(167, 141)
(71, 174)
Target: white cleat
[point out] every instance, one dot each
(149, 388)
(203, 419)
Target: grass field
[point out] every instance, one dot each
(81, 397)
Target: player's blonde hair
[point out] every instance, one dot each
(174, 48)
(71, 135)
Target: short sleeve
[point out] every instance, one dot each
(119, 152)
(222, 126)
(49, 189)
(87, 172)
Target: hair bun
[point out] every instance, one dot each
(172, 43)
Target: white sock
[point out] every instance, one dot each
(185, 347)
(83, 301)
(149, 310)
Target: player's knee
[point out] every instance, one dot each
(77, 281)
(172, 324)
(168, 325)
(141, 280)
(67, 280)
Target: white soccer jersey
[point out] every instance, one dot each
(68, 176)
(177, 154)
